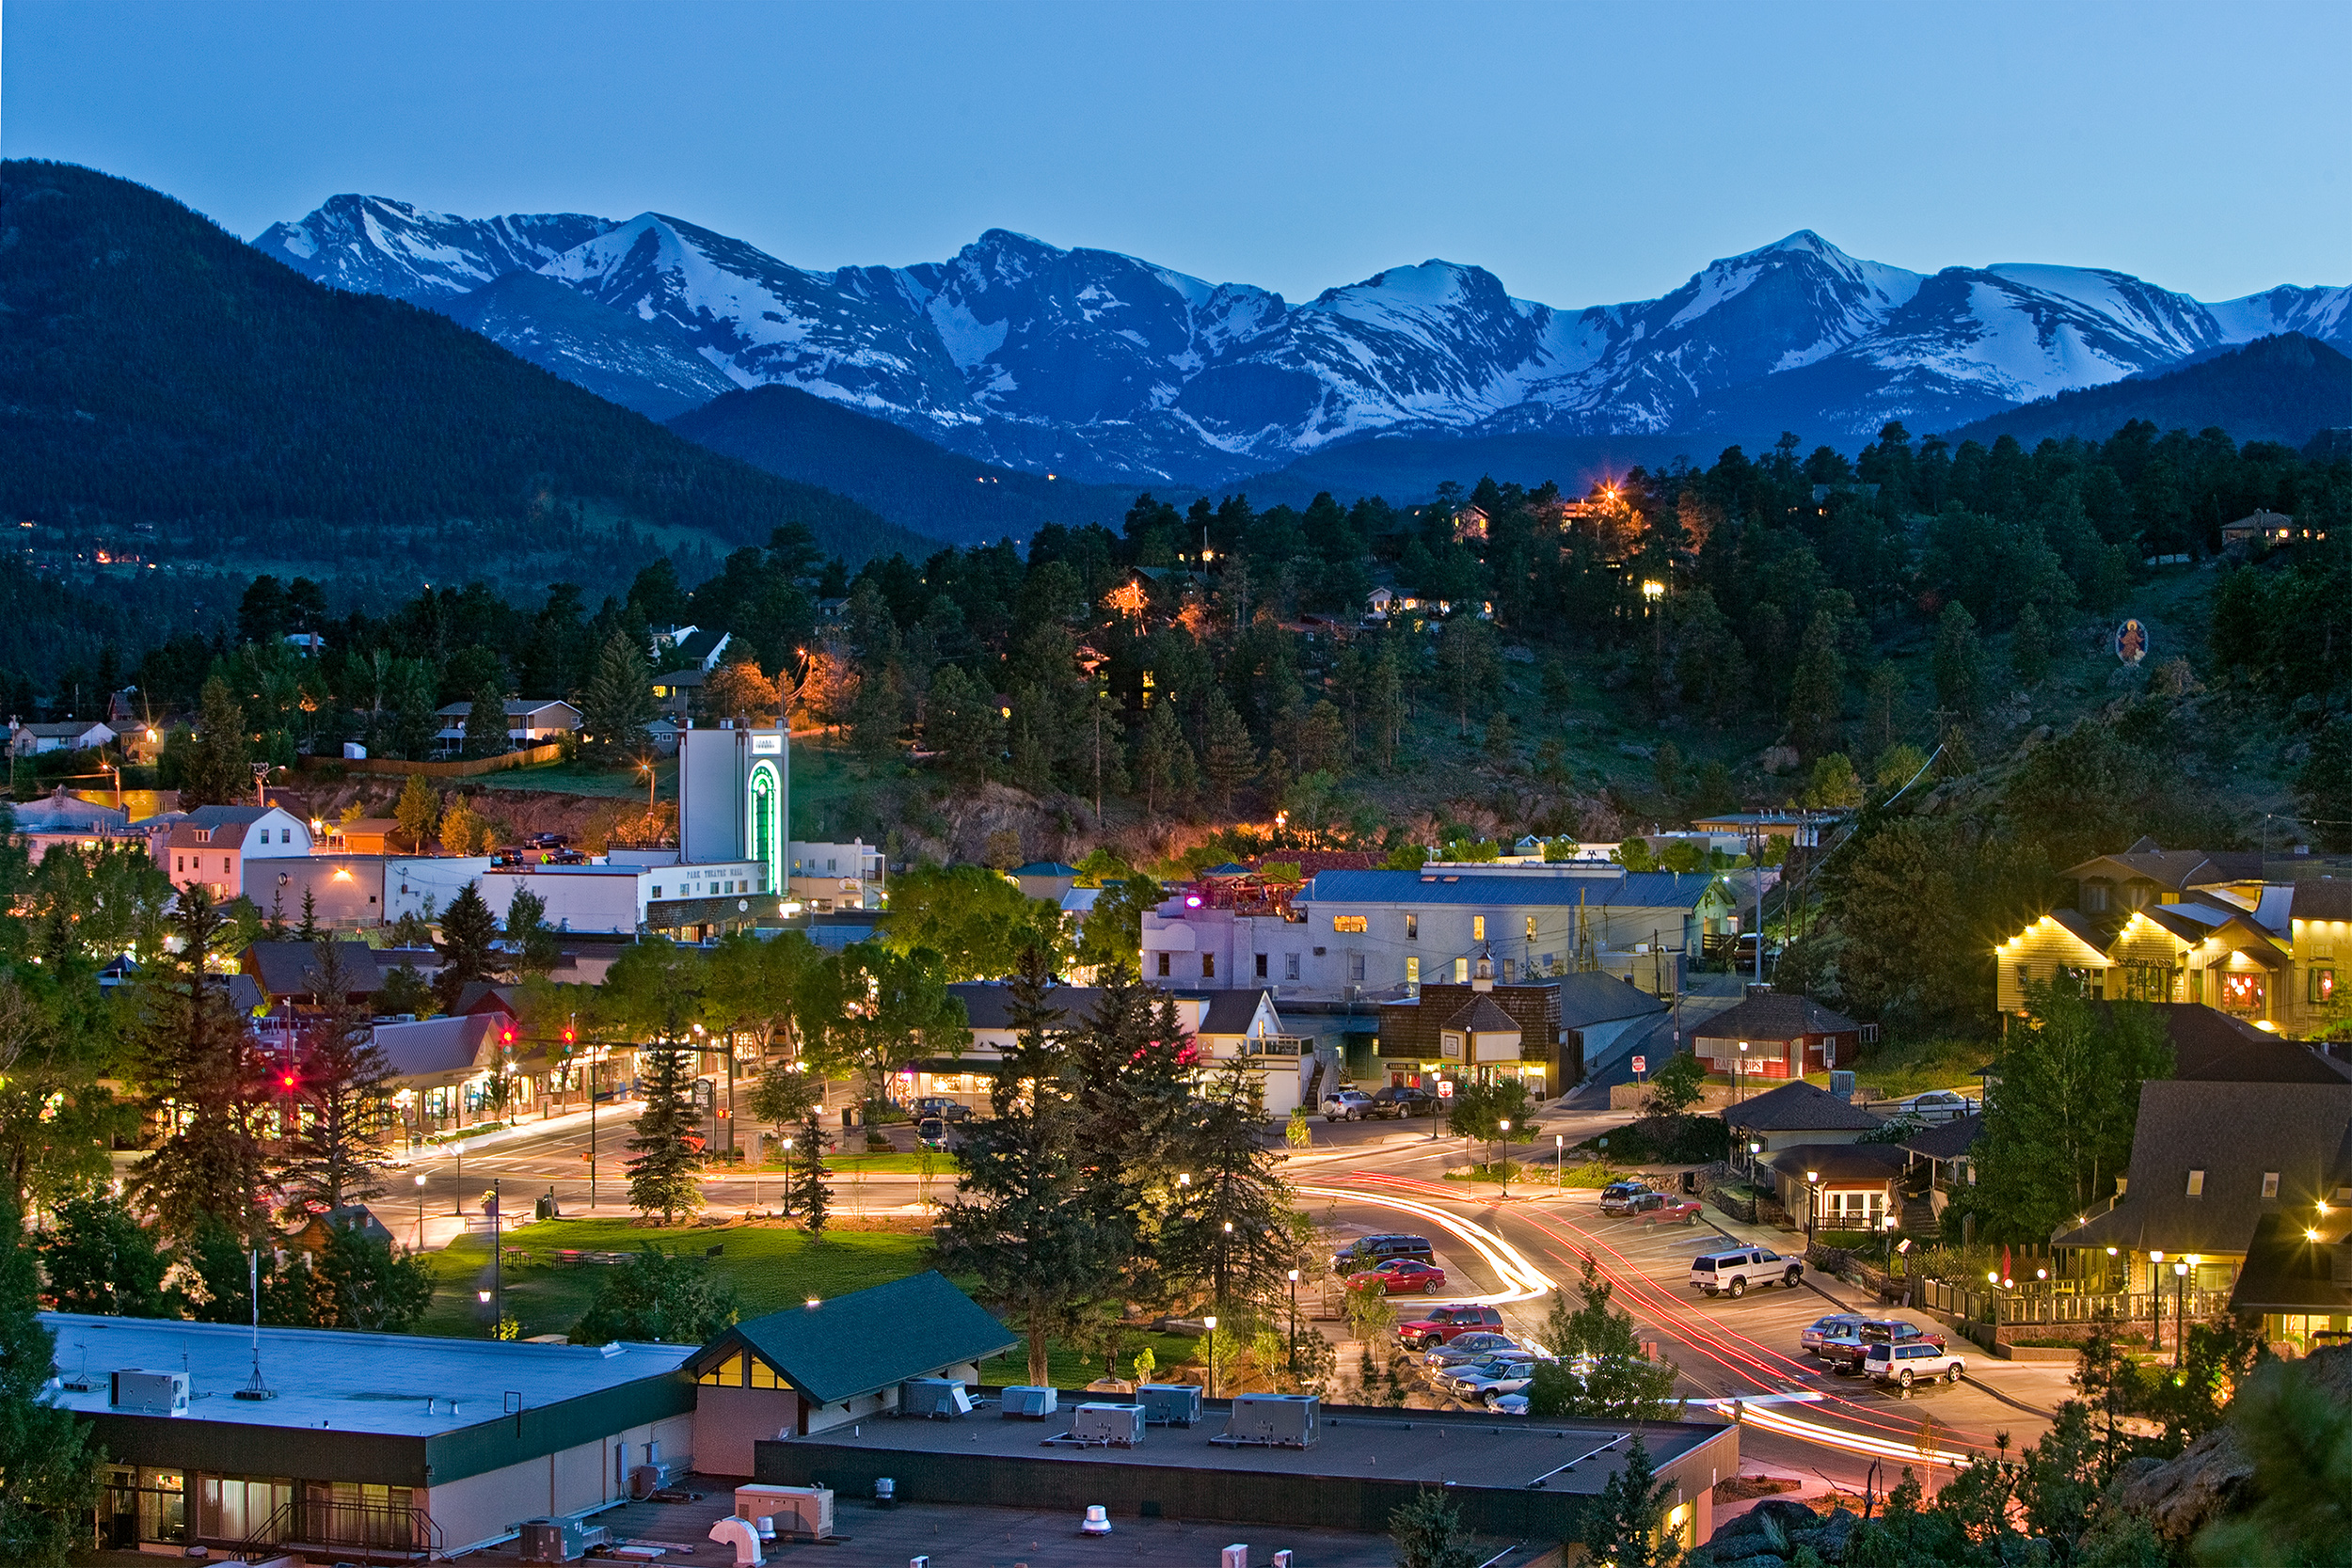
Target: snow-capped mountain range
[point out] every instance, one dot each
(1104, 366)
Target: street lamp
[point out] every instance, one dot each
(457, 1198)
(1294, 1322)
(1812, 1204)
(1559, 1159)
(1503, 1170)
(2155, 1300)
(1740, 1066)
(420, 1211)
(1211, 1322)
(787, 1178)
(2180, 1311)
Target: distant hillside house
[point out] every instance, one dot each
(79, 735)
(2259, 528)
(528, 721)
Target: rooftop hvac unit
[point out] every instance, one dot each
(162, 1393)
(1119, 1425)
(936, 1398)
(1030, 1403)
(1175, 1404)
(559, 1540)
(646, 1479)
(1277, 1420)
(797, 1509)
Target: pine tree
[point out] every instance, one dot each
(1022, 1221)
(48, 1467)
(218, 770)
(467, 945)
(1817, 688)
(308, 929)
(533, 943)
(664, 1168)
(1628, 1527)
(1385, 701)
(1164, 764)
(618, 702)
(1228, 756)
(804, 1188)
(961, 724)
(485, 720)
(2029, 649)
(1429, 1533)
(340, 1089)
(1959, 663)
(196, 1055)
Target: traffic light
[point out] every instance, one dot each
(506, 1036)
(287, 1078)
(567, 1036)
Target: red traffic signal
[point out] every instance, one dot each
(287, 1080)
(506, 1036)
(567, 1036)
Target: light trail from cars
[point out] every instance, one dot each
(1713, 1341)
(1522, 1280)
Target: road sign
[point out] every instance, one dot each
(1445, 1088)
(1641, 1064)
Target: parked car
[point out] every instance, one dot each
(1847, 1350)
(1508, 1404)
(1734, 1272)
(1814, 1334)
(941, 1106)
(1936, 1105)
(1400, 1276)
(1346, 1105)
(1443, 1326)
(1463, 1344)
(1913, 1363)
(1364, 1251)
(1400, 1102)
(932, 1132)
(1660, 1209)
(1475, 1380)
(1615, 1197)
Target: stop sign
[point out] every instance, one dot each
(1641, 1064)
(1445, 1088)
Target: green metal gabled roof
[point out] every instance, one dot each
(868, 1339)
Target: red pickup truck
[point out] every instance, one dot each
(1661, 1208)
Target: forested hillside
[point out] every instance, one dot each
(2284, 388)
(169, 391)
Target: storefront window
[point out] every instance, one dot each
(163, 1505)
(2242, 993)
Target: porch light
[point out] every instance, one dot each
(813, 1303)
(2311, 1234)
(1992, 1277)
(483, 1296)
(2181, 1268)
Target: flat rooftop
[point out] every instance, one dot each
(342, 1381)
(1464, 1447)
(957, 1535)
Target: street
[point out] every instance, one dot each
(1802, 1422)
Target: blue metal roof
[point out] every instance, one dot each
(1647, 890)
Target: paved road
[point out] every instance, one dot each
(1746, 1350)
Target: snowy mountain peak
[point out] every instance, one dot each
(1103, 366)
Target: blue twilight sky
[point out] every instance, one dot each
(1585, 153)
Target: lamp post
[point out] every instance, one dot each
(420, 1211)
(1812, 1204)
(2180, 1311)
(2155, 1300)
(498, 1264)
(1739, 1071)
(787, 1178)
(1294, 1322)
(1559, 1159)
(1503, 1170)
(457, 1199)
(1211, 1322)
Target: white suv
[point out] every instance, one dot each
(1346, 1105)
(1913, 1363)
(1732, 1273)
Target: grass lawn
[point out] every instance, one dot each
(771, 1266)
(1897, 1070)
(572, 778)
(943, 1164)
